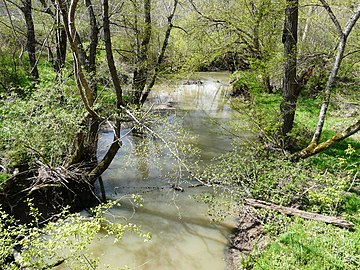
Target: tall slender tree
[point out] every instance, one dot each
(315, 147)
(26, 9)
(290, 90)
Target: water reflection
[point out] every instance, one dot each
(183, 235)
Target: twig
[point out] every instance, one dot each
(166, 144)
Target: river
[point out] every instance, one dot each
(183, 235)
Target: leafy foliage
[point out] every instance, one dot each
(65, 240)
(41, 126)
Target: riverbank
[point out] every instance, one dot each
(326, 183)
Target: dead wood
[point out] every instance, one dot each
(300, 213)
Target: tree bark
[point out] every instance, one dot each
(60, 47)
(109, 54)
(313, 149)
(85, 92)
(116, 144)
(307, 23)
(337, 62)
(141, 70)
(31, 41)
(162, 53)
(290, 87)
(106, 161)
(93, 123)
(299, 213)
(61, 41)
(60, 35)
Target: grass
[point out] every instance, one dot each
(312, 245)
(303, 244)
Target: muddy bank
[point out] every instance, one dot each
(247, 235)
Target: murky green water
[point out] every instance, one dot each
(183, 236)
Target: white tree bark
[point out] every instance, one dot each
(343, 35)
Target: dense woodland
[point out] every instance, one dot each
(70, 68)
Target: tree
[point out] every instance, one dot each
(30, 45)
(26, 9)
(238, 34)
(60, 36)
(290, 85)
(314, 147)
(140, 78)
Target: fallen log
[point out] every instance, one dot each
(300, 213)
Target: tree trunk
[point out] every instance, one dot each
(267, 83)
(299, 213)
(307, 23)
(327, 92)
(60, 47)
(85, 147)
(93, 123)
(313, 149)
(141, 70)
(30, 34)
(109, 54)
(106, 161)
(60, 35)
(116, 144)
(290, 87)
(338, 59)
(162, 53)
(82, 83)
(60, 41)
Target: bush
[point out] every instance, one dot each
(39, 127)
(13, 77)
(64, 241)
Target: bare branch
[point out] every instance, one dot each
(332, 17)
(336, 66)
(155, 134)
(350, 24)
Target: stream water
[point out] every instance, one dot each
(183, 236)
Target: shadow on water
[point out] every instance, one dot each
(183, 236)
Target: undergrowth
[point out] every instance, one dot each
(326, 183)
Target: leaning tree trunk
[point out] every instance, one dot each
(109, 54)
(85, 144)
(93, 123)
(30, 34)
(290, 87)
(338, 59)
(314, 147)
(116, 144)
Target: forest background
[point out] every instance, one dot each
(68, 68)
